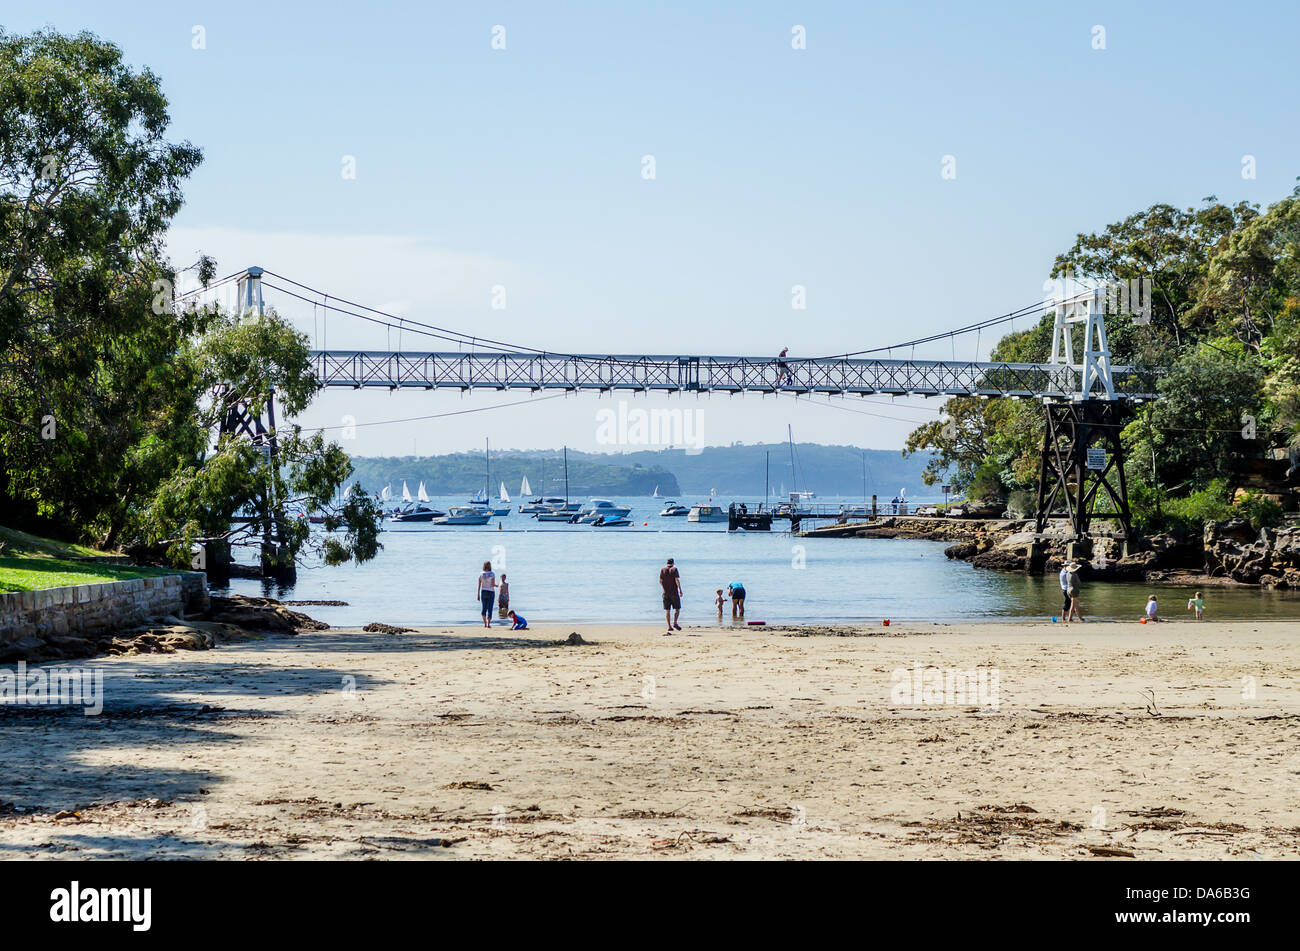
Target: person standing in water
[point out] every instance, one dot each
(503, 597)
(1065, 591)
(1197, 603)
(671, 582)
(737, 599)
(1072, 590)
(487, 592)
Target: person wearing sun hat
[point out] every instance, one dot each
(1070, 579)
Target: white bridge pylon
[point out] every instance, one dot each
(1094, 373)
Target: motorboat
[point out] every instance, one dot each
(464, 515)
(556, 515)
(610, 521)
(418, 513)
(706, 512)
(604, 507)
(536, 505)
(673, 509)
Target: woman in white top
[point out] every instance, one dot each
(487, 592)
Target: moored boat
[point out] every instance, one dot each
(706, 512)
(464, 515)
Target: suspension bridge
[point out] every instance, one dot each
(1086, 398)
(495, 365)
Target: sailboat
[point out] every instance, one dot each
(419, 512)
(655, 494)
(525, 489)
(503, 506)
(798, 500)
(560, 513)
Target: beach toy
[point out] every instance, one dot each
(1053, 620)
(1142, 621)
(885, 623)
(756, 623)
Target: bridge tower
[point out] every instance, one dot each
(1082, 456)
(259, 428)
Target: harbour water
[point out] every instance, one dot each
(426, 576)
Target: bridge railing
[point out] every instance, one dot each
(671, 373)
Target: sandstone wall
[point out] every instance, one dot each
(89, 608)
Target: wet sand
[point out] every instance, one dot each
(1099, 741)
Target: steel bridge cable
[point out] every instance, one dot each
(978, 325)
(416, 419)
(373, 320)
(491, 344)
(468, 338)
(213, 286)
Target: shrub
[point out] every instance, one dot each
(1259, 510)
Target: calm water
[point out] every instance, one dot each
(426, 575)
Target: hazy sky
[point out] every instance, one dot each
(773, 167)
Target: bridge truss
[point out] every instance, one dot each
(698, 374)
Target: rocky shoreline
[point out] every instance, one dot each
(225, 620)
(1227, 554)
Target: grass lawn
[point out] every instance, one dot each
(29, 563)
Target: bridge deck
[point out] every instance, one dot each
(677, 374)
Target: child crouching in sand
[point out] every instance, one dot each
(1151, 609)
(517, 622)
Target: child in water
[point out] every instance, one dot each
(1198, 604)
(718, 601)
(503, 597)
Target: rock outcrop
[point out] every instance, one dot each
(1267, 557)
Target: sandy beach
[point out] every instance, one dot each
(1091, 742)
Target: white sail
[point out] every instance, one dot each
(505, 497)
(406, 493)
(422, 495)
(525, 488)
(656, 493)
(386, 494)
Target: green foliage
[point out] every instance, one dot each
(1225, 321)
(88, 185)
(1153, 511)
(109, 394)
(1259, 510)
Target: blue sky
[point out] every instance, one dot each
(522, 167)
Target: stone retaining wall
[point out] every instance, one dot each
(94, 607)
